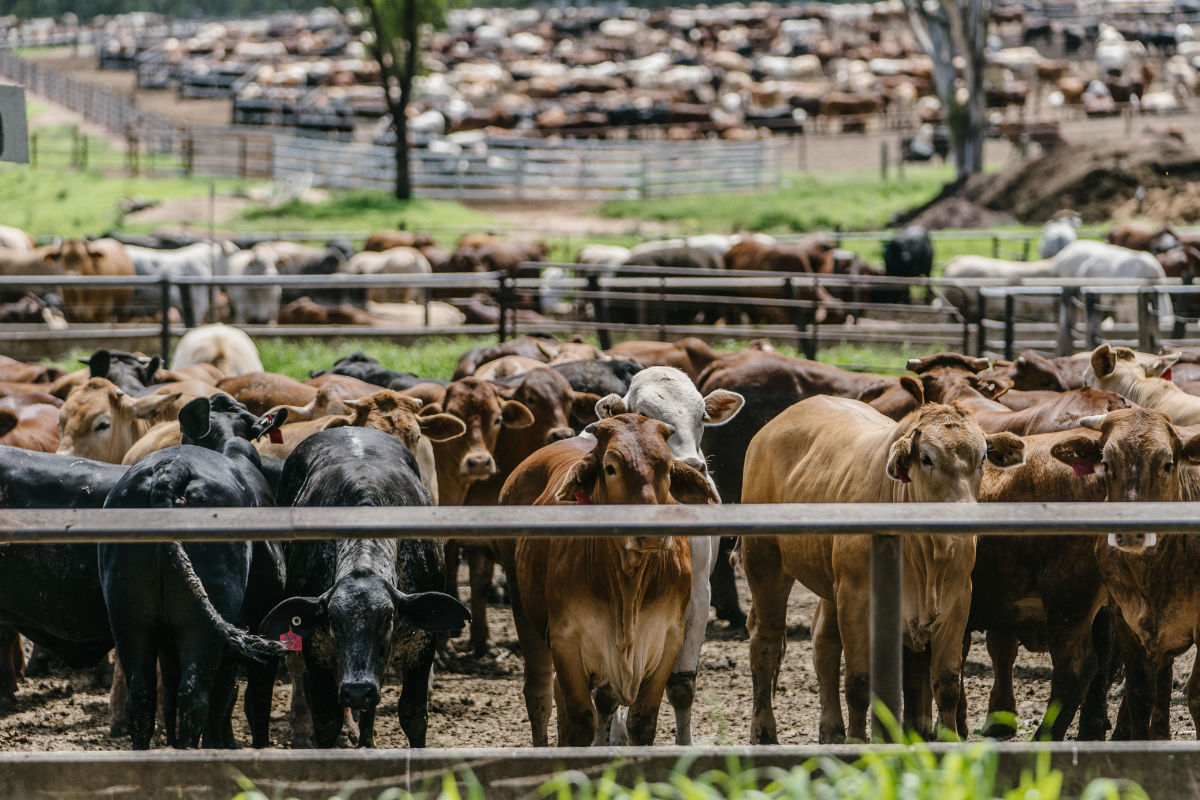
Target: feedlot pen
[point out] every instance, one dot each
(1166, 769)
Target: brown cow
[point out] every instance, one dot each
(1141, 456)
(691, 355)
(803, 256)
(831, 449)
(261, 391)
(526, 346)
(1140, 236)
(101, 422)
(13, 371)
(603, 615)
(385, 240)
(466, 460)
(553, 405)
(98, 258)
(31, 426)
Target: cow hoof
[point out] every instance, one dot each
(733, 616)
(119, 730)
(303, 742)
(8, 705)
(1000, 730)
(488, 650)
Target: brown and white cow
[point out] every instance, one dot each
(830, 449)
(101, 422)
(1134, 375)
(1151, 578)
(602, 616)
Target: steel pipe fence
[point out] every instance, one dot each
(886, 523)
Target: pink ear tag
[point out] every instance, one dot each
(1082, 467)
(582, 498)
(292, 640)
(275, 435)
(1166, 376)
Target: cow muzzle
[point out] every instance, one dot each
(478, 465)
(360, 695)
(1134, 542)
(558, 434)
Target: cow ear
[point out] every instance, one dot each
(1081, 452)
(431, 611)
(688, 485)
(268, 422)
(899, 457)
(1104, 360)
(1191, 450)
(515, 415)
(8, 420)
(430, 410)
(151, 404)
(994, 387)
(300, 615)
(720, 406)
(99, 364)
(1005, 449)
(583, 406)
(441, 427)
(610, 406)
(550, 351)
(194, 418)
(1161, 364)
(153, 365)
(980, 364)
(913, 387)
(579, 480)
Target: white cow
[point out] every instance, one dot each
(200, 260)
(1100, 260)
(226, 348)
(16, 240)
(1058, 233)
(254, 304)
(667, 394)
(396, 261)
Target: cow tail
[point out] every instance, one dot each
(246, 644)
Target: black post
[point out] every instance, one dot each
(1091, 306)
(887, 578)
(1009, 303)
(164, 342)
(502, 300)
(799, 318)
(1147, 319)
(600, 307)
(1066, 322)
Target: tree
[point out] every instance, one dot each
(396, 25)
(950, 30)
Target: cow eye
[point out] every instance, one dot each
(496, 422)
(927, 461)
(1167, 466)
(102, 425)
(610, 470)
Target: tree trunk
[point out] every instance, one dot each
(403, 178)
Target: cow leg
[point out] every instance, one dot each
(1093, 713)
(481, 568)
(1002, 650)
(260, 682)
(606, 709)
(168, 683)
(41, 661)
(1074, 666)
(218, 730)
(118, 700)
(576, 713)
(827, 661)
(918, 694)
(945, 667)
(366, 727)
(137, 658)
(1160, 711)
(962, 688)
(724, 586)
(1136, 703)
(853, 613)
(200, 662)
(322, 697)
(12, 666)
(643, 714)
(769, 589)
(681, 686)
(1193, 692)
(539, 679)
(300, 713)
(414, 699)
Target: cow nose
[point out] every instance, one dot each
(697, 463)
(479, 462)
(358, 695)
(558, 434)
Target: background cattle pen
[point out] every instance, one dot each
(1169, 767)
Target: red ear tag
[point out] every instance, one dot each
(275, 435)
(1082, 467)
(902, 474)
(582, 498)
(1166, 376)
(292, 640)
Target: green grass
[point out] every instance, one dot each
(856, 200)
(434, 358)
(361, 211)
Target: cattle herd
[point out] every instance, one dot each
(606, 626)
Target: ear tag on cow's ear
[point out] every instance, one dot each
(275, 435)
(292, 641)
(1082, 467)
(582, 498)
(1166, 376)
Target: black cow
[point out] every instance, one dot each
(51, 593)
(908, 255)
(362, 366)
(358, 604)
(599, 376)
(178, 605)
(328, 263)
(132, 374)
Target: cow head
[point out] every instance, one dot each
(396, 414)
(1139, 455)
(1117, 369)
(469, 458)
(667, 394)
(633, 464)
(132, 372)
(219, 422)
(357, 622)
(553, 404)
(101, 422)
(940, 451)
(947, 377)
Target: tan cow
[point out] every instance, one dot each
(101, 422)
(1141, 456)
(832, 449)
(1127, 372)
(602, 616)
(99, 258)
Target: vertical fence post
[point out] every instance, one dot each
(1091, 310)
(1009, 306)
(502, 302)
(1066, 321)
(164, 342)
(601, 310)
(887, 579)
(1147, 319)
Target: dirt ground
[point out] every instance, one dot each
(479, 703)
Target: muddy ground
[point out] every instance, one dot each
(479, 703)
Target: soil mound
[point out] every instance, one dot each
(959, 212)
(1099, 179)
